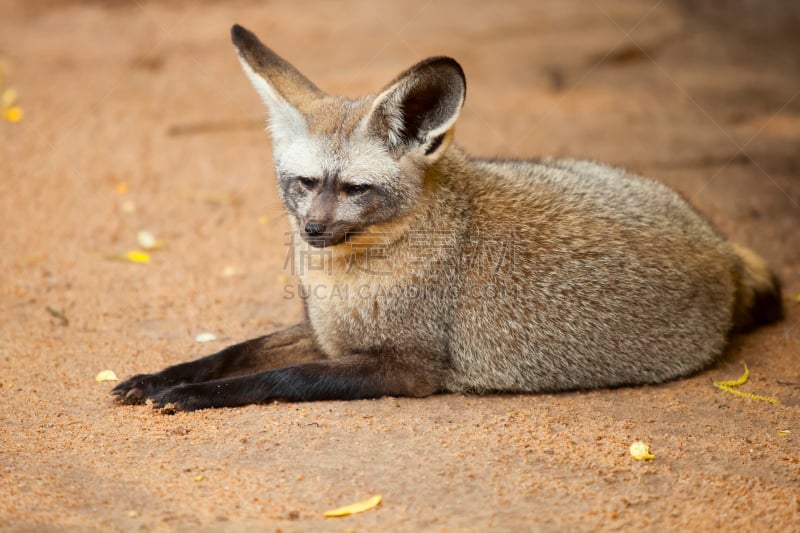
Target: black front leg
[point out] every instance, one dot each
(286, 347)
(347, 378)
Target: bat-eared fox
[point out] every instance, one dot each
(425, 270)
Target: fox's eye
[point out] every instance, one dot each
(307, 183)
(354, 190)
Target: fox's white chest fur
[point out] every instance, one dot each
(354, 303)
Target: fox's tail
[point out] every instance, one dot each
(758, 292)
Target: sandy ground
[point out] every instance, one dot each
(149, 97)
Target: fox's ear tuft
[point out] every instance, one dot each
(283, 88)
(420, 106)
(239, 35)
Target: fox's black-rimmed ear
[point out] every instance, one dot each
(420, 106)
(285, 91)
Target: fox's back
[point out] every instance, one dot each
(608, 278)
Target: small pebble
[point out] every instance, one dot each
(205, 337)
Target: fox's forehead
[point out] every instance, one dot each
(336, 116)
(359, 160)
(336, 142)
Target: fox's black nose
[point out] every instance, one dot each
(315, 228)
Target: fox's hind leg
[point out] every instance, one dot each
(290, 346)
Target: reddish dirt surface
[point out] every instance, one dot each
(151, 95)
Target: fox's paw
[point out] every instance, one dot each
(139, 388)
(182, 398)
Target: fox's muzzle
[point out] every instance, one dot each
(320, 234)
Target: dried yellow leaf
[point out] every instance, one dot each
(359, 507)
(641, 451)
(9, 97)
(135, 256)
(198, 477)
(729, 387)
(106, 375)
(12, 114)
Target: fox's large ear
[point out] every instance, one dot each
(420, 106)
(283, 88)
